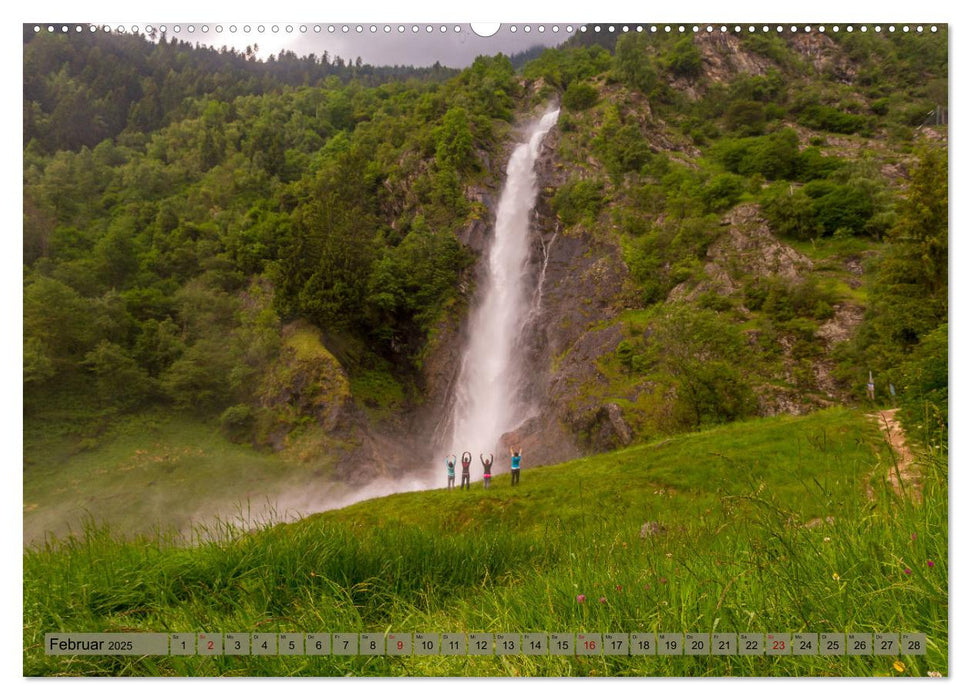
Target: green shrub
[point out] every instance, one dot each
(454, 142)
(813, 165)
(754, 294)
(562, 67)
(701, 351)
(831, 119)
(776, 155)
(579, 200)
(632, 64)
(625, 355)
(237, 422)
(580, 96)
(746, 118)
(723, 191)
(848, 207)
(621, 147)
(713, 301)
(924, 376)
(767, 45)
(785, 301)
(119, 380)
(881, 106)
(684, 59)
(790, 213)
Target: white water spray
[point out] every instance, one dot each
(487, 402)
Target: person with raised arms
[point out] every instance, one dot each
(466, 476)
(516, 455)
(450, 471)
(486, 469)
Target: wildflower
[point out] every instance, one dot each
(930, 563)
(913, 536)
(934, 674)
(907, 571)
(669, 555)
(836, 576)
(898, 666)
(581, 598)
(826, 539)
(602, 599)
(663, 580)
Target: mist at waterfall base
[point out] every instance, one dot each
(487, 402)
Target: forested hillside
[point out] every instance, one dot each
(284, 247)
(82, 88)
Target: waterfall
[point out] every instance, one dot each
(487, 400)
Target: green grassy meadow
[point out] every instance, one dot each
(761, 526)
(149, 472)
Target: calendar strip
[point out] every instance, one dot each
(613, 644)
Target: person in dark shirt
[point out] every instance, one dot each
(486, 469)
(466, 476)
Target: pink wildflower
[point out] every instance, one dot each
(581, 598)
(930, 563)
(907, 571)
(619, 587)
(602, 599)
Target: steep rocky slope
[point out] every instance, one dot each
(591, 305)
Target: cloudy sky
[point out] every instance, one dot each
(453, 45)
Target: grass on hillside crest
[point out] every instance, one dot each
(762, 526)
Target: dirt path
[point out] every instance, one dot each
(903, 474)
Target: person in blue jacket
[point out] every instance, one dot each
(516, 455)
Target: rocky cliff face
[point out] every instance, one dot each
(580, 281)
(584, 287)
(745, 247)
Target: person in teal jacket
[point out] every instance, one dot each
(516, 455)
(450, 470)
